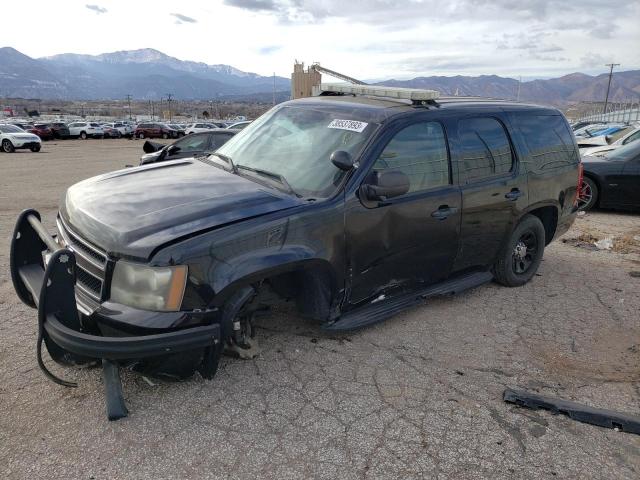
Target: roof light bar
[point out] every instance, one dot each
(415, 94)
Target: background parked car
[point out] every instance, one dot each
(111, 132)
(612, 179)
(596, 145)
(12, 137)
(154, 130)
(85, 130)
(180, 129)
(43, 131)
(59, 129)
(189, 146)
(199, 127)
(125, 129)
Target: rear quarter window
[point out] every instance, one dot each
(549, 141)
(486, 150)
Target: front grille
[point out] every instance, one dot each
(91, 262)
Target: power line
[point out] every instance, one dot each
(606, 98)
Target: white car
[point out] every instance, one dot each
(85, 130)
(125, 129)
(199, 127)
(628, 135)
(12, 137)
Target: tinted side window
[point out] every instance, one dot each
(193, 143)
(486, 151)
(549, 140)
(219, 139)
(420, 152)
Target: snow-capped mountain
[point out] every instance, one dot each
(146, 73)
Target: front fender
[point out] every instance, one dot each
(261, 264)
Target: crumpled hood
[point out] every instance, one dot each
(134, 211)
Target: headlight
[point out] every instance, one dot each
(148, 288)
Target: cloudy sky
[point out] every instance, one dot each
(368, 39)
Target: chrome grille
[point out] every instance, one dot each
(91, 262)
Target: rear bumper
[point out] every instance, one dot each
(51, 291)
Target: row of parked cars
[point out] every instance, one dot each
(23, 135)
(610, 155)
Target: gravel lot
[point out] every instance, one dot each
(419, 396)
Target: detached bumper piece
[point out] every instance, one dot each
(576, 411)
(51, 289)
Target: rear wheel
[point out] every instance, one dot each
(588, 194)
(7, 146)
(521, 257)
(83, 135)
(164, 135)
(35, 148)
(141, 135)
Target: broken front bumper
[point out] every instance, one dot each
(71, 337)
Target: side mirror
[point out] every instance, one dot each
(342, 160)
(608, 139)
(173, 149)
(389, 184)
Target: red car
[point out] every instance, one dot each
(43, 131)
(154, 130)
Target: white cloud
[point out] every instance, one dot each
(362, 38)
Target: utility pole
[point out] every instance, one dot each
(606, 98)
(169, 95)
(274, 89)
(129, 102)
(518, 94)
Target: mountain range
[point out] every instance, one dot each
(572, 88)
(144, 74)
(148, 74)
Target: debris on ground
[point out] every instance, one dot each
(604, 244)
(582, 413)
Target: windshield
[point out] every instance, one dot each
(624, 153)
(10, 129)
(296, 142)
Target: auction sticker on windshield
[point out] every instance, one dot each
(351, 125)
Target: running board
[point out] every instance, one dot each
(383, 309)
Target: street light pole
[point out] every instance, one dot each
(129, 102)
(169, 95)
(606, 98)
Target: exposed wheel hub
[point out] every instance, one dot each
(521, 250)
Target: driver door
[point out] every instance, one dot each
(410, 240)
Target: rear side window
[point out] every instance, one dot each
(486, 151)
(420, 152)
(549, 141)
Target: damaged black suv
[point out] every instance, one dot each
(351, 206)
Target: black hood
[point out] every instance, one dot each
(132, 212)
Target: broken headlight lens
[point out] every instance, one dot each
(148, 288)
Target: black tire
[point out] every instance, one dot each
(35, 148)
(521, 256)
(7, 146)
(588, 194)
(141, 135)
(165, 136)
(83, 135)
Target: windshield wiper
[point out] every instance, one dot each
(276, 176)
(227, 159)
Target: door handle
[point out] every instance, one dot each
(513, 195)
(443, 212)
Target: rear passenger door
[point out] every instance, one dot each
(412, 239)
(494, 189)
